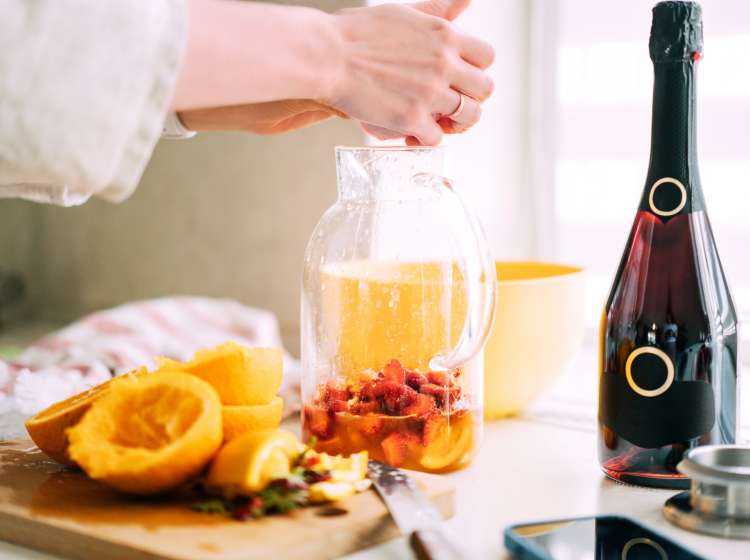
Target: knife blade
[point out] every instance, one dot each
(413, 513)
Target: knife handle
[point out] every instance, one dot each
(433, 544)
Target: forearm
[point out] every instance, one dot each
(248, 52)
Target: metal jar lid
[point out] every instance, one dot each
(718, 502)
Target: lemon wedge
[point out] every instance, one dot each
(250, 461)
(331, 491)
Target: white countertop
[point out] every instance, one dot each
(527, 470)
(541, 466)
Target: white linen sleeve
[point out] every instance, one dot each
(85, 86)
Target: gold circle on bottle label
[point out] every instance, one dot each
(642, 540)
(663, 357)
(676, 209)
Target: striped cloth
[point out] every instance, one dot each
(111, 342)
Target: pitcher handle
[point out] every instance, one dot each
(479, 270)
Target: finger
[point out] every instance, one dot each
(475, 51)
(429, 133)
(380, 133)
(451, 127)
(412, 141)
(471, 81)
(448, 126)
(446, 102)
(469, 114)
(446, 9)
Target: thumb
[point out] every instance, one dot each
(446, 9)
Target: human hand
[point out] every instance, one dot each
(404, 69)
(273, 117)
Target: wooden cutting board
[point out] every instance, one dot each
(46, 506)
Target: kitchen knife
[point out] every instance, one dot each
(413, 513)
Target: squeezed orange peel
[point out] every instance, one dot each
(239, 419)
(149, 434)
(47, 428)
(240, 375)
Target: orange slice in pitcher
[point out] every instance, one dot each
(446, 441)
(47, 428)
(149, 434)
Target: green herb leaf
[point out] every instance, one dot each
(214, 505)
(297, 477)
(282, 500)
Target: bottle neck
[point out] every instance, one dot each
(673, 183)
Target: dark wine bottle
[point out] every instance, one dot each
(668, 340)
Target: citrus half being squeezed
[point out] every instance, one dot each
(149, 434)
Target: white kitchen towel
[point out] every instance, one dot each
(111, 342)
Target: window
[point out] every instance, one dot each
(601, 109)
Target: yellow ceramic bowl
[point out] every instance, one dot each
(538, 328)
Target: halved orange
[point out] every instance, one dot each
(47, 428)
(241, 376)
(250, 461)
(149, 434)
(238, 419)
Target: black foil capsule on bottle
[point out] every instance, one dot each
(668, 374)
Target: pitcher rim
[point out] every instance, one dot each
(388, 148)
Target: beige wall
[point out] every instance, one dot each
(224, 215)
(17, 234)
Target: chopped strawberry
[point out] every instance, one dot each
(373, 390)
(437, 392)
(397, 397)
(424, 404)
(397, 447)
(366, 377)
(336, 390)
(415, 380)
(433, 390)
(362, 408)
(318, 422)
(340, 406)
(370, 425)
(394, 372)
(310, 462)
(439, 378)
(435, 427)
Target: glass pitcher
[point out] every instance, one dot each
(395, 313)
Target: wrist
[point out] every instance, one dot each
(329, 69)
